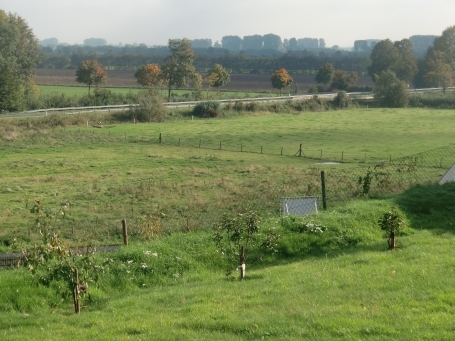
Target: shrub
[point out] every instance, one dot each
(238, 236)
(207, 109)
(313, 89)
(150, 109)
(238, 106)
(342, 100)
(392, 222)
(275, 107)
(390, 91)
(253, 106)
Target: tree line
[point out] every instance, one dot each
(296, 62)
(392, 66)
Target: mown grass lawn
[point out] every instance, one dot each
(358, 293)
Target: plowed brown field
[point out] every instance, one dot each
(240, 82)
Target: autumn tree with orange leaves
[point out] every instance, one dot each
(281, 79)
(91, 72)
(149, 75)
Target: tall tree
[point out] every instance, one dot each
(343, 80)
(218, 76)
(91, 72)
(292, 44)
(446, 44)
(273, 42)
(439, 64)
(149, 75)
(438, 72)
(254, 42)
(321, 43)
(397, 57)
(281, 79)
(325, 74)
(178, 68)
(406, 66)
(19, 56)
(233, 43)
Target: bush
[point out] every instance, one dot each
(314, 89)
(275, 107)
(342, 100)
(253, 106)
(390, 91)
(150, 109)
(238, 106)
(207, 109)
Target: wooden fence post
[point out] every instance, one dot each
(324, 197)
(77, 305)
(125, 232)
(242, 264)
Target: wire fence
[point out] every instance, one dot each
(234, 145)
(153, 207)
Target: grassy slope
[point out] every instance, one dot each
(325, 292)
(336, 293)
(105, 175)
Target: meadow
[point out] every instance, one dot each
(342, 284)
(70, 91)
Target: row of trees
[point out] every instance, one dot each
(338, 79)
(298, 62)
(393, 66)
(270, 42)
(176, 72)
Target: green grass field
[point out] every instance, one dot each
(340, 285)
(80, 90)
(120, 170)
(83, 90)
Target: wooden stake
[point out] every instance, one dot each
(125, 232)
(392, 241)
(77, 306)
(242, 264)
(324, 197)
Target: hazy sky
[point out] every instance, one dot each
(152, 22)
